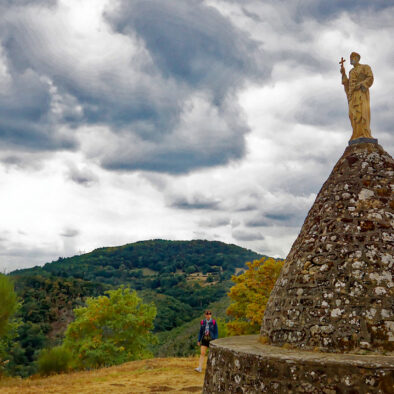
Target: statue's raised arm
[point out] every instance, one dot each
(357, 92)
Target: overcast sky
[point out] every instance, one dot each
(130, 120)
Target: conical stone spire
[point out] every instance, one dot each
(335, 291)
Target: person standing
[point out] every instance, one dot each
(208, 332)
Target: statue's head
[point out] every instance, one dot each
(354, 58)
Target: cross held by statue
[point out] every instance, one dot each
(342, 61)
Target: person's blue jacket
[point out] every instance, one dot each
(213, 329)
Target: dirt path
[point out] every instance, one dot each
(159, 375)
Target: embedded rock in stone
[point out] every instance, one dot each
(335, 291)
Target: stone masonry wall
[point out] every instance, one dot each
(335, 292)
(242, 365)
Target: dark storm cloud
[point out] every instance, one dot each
(247, 207)
(24, 115)
(242, 235)
(185, 50)
(322, 9)
(281, 216)
(27, 136)
(8, 4)
(215, 222)
(202, 53)
(21, 3)
(191, 145)
(26, 121)
(190, 42)
(197, 201)
(258, 222)
(101, 102)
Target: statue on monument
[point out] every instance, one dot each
(357, 92)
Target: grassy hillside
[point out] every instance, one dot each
(169, 375)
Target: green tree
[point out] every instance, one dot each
(8, 325)
(8, 305)
(250, 295)
(111, 330)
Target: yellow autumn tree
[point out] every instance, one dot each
(250, 294)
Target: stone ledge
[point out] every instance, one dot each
(250, 344)
(363, 140)
(243, 365)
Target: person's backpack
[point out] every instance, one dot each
(202, 324)
(213, 324)
(213, 321)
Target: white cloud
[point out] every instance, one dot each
(250, 154)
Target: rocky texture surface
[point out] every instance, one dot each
(242, 365)
(334, 295)
(335, 292)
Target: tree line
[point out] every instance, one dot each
(52, 305)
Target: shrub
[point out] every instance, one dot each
(55, 360)
(9, 303)
(222, 327)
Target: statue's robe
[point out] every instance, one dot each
(358, 99)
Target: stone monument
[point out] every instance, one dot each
(329, 323)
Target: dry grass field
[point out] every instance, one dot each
(158, 375)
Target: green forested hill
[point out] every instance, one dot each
(132, 263)
(180, 277)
